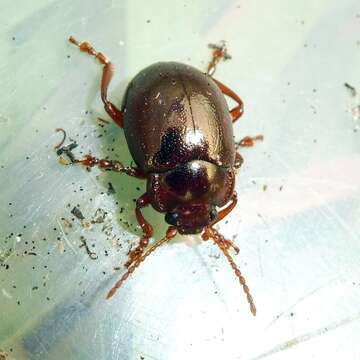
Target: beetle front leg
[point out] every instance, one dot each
(112, 165)
(224, 212)
(147, 229)
(108, 72)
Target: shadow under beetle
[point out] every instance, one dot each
(179, 131)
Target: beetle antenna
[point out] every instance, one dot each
(222, 243)
(170, 233)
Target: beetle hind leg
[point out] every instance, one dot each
(237, 111)
(108, 72)
(219, 52)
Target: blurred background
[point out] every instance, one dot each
(297, 220)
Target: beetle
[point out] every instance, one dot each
(179, 131)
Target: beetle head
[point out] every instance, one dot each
(191, 218)
(190, 193)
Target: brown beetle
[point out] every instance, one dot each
(179, 131)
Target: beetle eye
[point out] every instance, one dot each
(171, 218)
(213, 214)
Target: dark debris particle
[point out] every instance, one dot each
(60, 144)
(66, 222)
(77, 213)
(351, 89)
(91, 254)
(103, 120)
(99, 216)
(67, 150)
(111, 189)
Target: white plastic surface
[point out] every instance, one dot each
(297, 221)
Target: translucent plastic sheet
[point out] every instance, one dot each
(297, 221)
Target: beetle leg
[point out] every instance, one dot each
(238, 110)
(112, 165)
(249, 141)
(147, 229)
(224, 212)
(219, 52)
(238, 161)
(170, 233)
(220, 241)
(108, 72)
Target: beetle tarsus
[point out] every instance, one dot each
(249, 141)
(219, 53)
(112, 165)
(86, 47)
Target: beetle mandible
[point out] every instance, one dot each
(179, 132)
